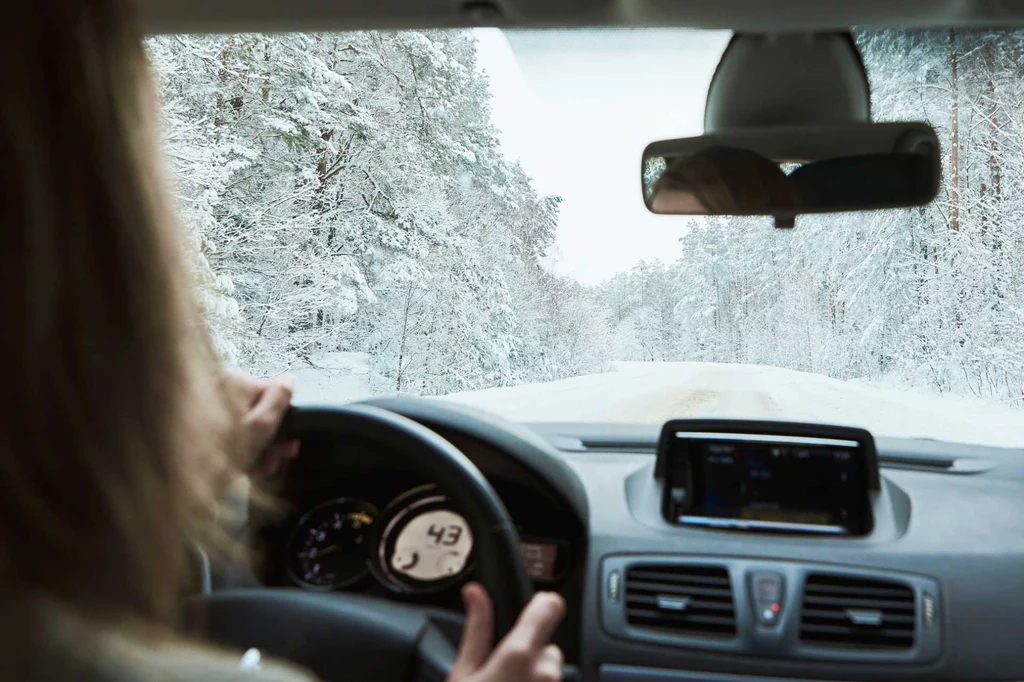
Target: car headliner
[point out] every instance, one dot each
(174, 16)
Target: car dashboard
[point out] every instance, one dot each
(932, 592)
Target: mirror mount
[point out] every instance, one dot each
(784, 221)
(788, 132)
(798, 79)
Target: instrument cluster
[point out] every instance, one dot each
(416, 545)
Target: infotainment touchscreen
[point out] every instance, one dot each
(751, 481)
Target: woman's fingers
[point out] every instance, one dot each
(536, 623)
(244, 388)
(273, 456)
(524, 654)
(267, 412)
(549, 665)
(264, 404)
(525, 646)
(477, 634)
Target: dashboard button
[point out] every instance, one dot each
(768, 613)
(766, 586)
(767, 590)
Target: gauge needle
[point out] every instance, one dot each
(326, 550)
(414, 559)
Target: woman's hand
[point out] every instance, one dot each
(265, 403)
(525, 655)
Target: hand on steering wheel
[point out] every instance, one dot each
(524, 654)
(264, 403)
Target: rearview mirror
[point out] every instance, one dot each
(786, 171)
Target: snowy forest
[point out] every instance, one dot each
(348, 192)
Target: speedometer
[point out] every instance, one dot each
(433, 545)
(421, 544)
(328, 548)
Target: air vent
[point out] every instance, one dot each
(688, 600)
(858, 613)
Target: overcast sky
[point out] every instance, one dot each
(577, 108)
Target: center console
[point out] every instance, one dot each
(760, 516)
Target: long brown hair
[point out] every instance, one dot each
(107, 420)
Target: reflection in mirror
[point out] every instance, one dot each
(722, 181)
(785, 172)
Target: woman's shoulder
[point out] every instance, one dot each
(61, 645)
(184, 662)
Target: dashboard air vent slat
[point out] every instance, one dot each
(860, 613)
(692, 600)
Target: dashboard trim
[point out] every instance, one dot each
(632, 673)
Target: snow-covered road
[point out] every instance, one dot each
(657, 391)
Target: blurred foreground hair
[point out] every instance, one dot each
(112, 426)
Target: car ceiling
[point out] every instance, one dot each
(174, 16)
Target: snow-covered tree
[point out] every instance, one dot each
(347, 192)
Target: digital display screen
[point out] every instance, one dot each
(437, 544)
(541, 559)
(432, 546)
(743, 481)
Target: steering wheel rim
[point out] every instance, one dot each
(499, 564)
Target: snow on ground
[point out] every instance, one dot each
(657, 391)
(334, 377)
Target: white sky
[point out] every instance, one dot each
(577, 109)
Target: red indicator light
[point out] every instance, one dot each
(775, 607)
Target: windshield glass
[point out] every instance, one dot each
(458, 214)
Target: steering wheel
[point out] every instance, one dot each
(354, 637)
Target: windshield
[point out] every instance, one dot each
(457, 214)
